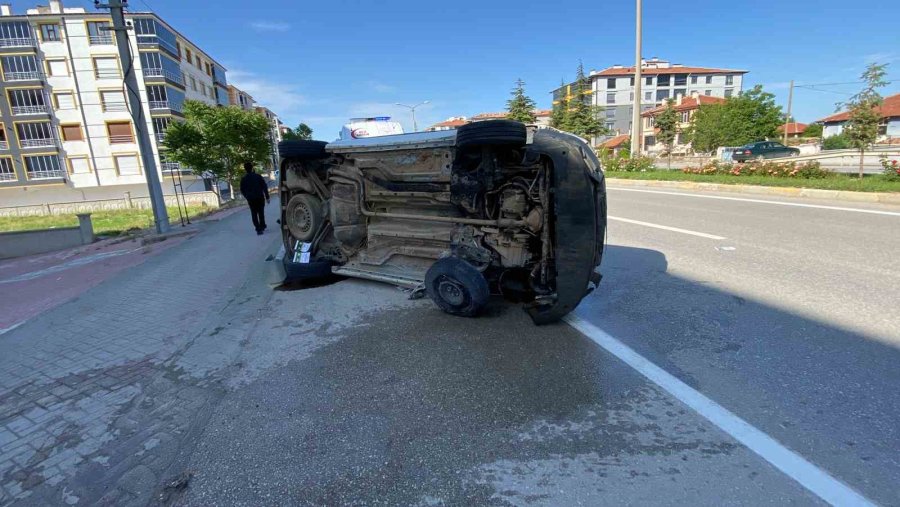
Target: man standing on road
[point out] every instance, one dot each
(255, 190)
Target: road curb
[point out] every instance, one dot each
(812, 193)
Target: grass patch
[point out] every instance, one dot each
(106, 223)
(837, 181)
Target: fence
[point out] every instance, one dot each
(207, 199)
(20, 243)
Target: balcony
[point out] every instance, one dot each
(156, 105)
(164, 74)
(101, 39)
(160, 137)
(25, 42)
(170, 167)
(23, 110)
(49, 174)
(4, 145)
(4, 176)
(39, 142)
(31, 75)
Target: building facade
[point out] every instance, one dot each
(275, 135)
(66, 131)
(685, 109)
(888, 129)
(240, 98)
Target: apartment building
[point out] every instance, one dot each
(685, 109)
(275, 135)
(240, 98)
(613, 88)
(66, 133)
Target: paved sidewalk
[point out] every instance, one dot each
(100, 369)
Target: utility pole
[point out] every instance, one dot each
(157, 201)
(787, 119)
(413, 109)
(636, 114)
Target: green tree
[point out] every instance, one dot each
(748, 117)
(302, 133)
(862, 127)
(218, 140)
(812, 130)
(520, 107)
(582, 117)
(838, 142)
(560, 114)
(667, 123)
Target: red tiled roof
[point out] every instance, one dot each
(494, 116)
(616, 142)
(452, 122)
(543, 112)
(628, 71)
(687, 104)
(793, 128)
(890, 108)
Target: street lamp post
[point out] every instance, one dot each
(636, 111)
(413, 110)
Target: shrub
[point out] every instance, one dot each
(891, 168)
(807, 170)
(623, 162)
(838, 142)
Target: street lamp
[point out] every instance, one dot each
(413, 109)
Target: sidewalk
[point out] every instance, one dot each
(100, 368)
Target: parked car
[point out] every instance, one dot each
(763, 150)
(493, 208)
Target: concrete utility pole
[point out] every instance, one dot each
(157, 201)
(787, 119)
(413, 109)
(636, 114)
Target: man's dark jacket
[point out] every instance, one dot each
(253, 187)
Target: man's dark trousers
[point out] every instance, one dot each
(258, 212)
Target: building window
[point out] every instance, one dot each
(98, 32)
(685, 116)
(649, 80)
(35, 134)
(631, 81)
(611, 83)
(42, 167)
(119, 132)
(663, 80)
(631, 97)
(64, 100)
(680, 79)
(16, 34)
(610, 98)
(648, 96)
(158, 97)
(57, 68)
(707, 92)
(113, 100)
(610, 113)
(729, 92)
(651, 121)
(197, 62)
(50, 33)
(71, 132)
(4, 143)
(662, 95)
(679, 91)
(28, 101)
(729, 80)
(209, 69)
(79, 165)
(708, 79)
(106, 67)
(187, 55)
(7, 172)
(193, 83)
(20, 68)
(610, 125)
(160, 125)
(127, 165)
(178, 48)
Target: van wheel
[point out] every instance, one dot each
(456, 287)
(491, 133)
(302, 150)
(304, 216)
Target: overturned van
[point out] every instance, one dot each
(492, 208)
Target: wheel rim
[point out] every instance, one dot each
(451, 291)
(302, 218)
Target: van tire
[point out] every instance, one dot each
(302, 150)
(491, 133)
(456, 287)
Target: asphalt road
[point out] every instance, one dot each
(349, 394)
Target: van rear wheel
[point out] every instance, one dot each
(456, 287)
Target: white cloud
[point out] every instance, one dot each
(284, 99)
(270, 26)
(884, 57)
(381, 87)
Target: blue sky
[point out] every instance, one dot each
(321, 62)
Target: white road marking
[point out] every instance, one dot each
(10, 328)
(811, 477)
(763, 201)
(666, 228)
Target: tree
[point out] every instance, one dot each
(748, 117)
(218, 140)
(520, 107)
(301, 133)
(560, 114)
(667, 123)
(582, 118)
(812, 130)
(862, 127)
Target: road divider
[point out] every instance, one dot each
(666, 228)
(808, 475)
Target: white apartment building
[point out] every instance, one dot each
(64, 115)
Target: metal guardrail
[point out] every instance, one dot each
(8, 177)
(19, 110)
(159, 104)
(45, 175)
(170, 167)
(4, 145)
(24, 76)
(21, 42)
(38, 143)
(123, 139)
(100, 39)
(165, 74)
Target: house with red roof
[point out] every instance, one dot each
(685, 108)
(890, 120)
(542, 117)
(794, 129)
(448, 124)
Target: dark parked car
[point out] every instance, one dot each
(763, 150)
